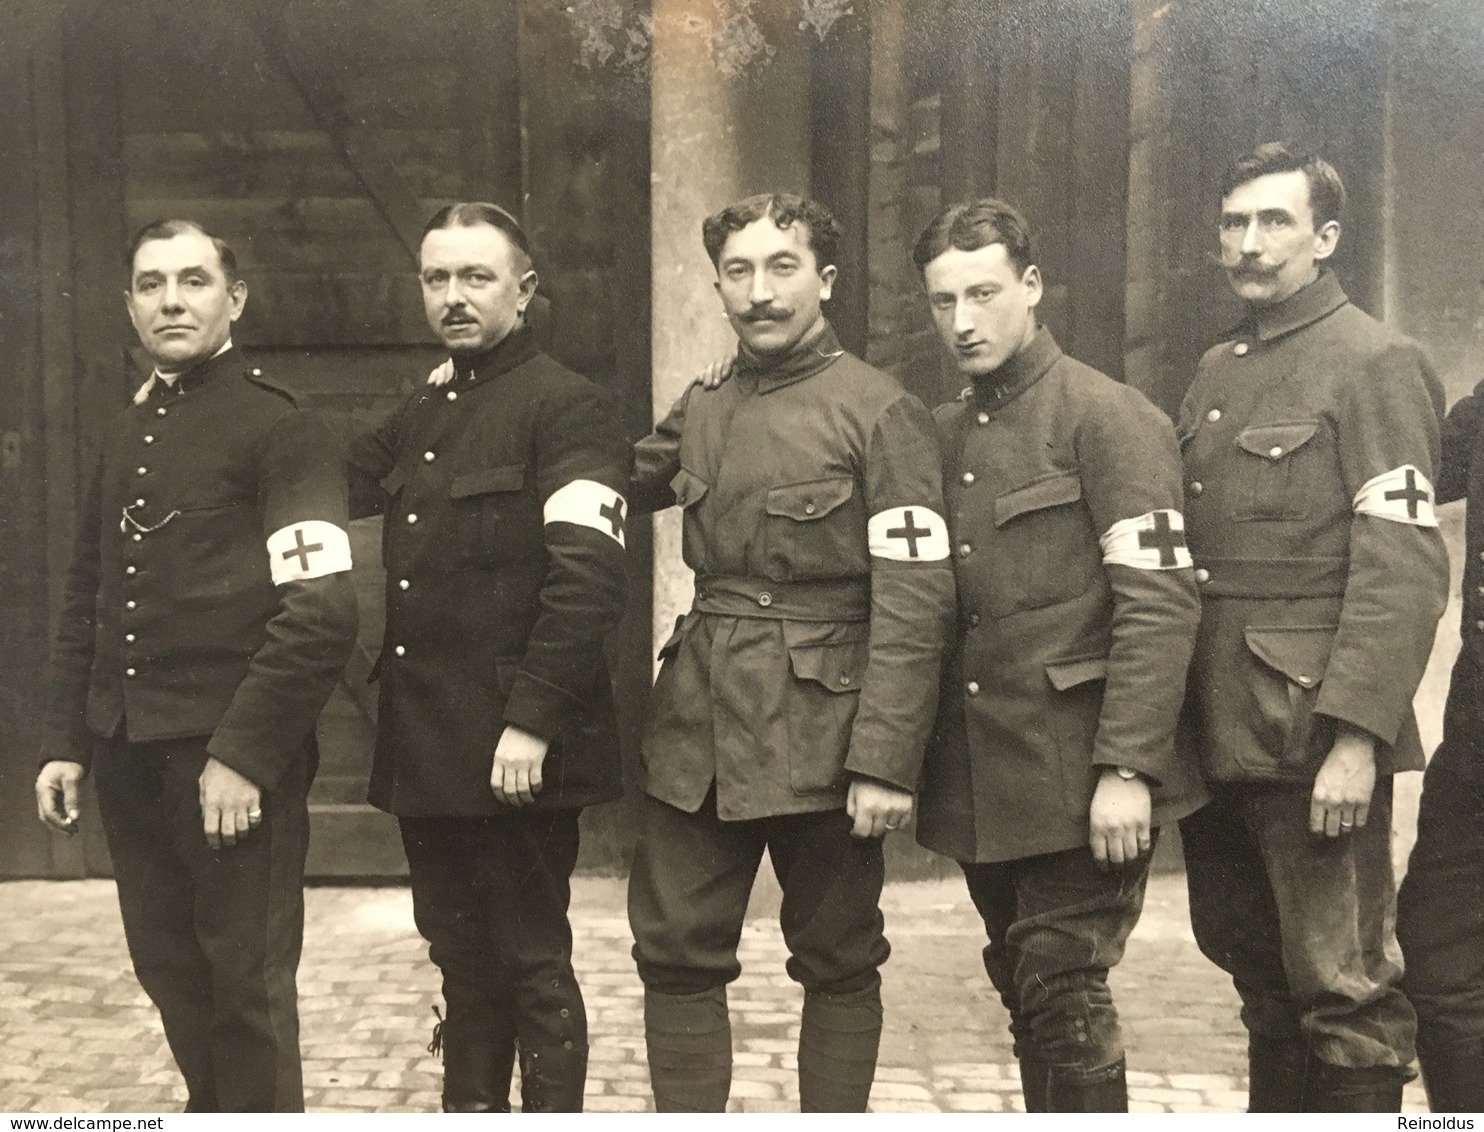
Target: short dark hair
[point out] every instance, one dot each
(978, 224)
(1326, 190)
(467, 214)
(785, 210)
(168, 229)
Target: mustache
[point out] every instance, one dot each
(1250, 269)
(767, 313)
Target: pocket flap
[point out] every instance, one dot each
(838, 666)
(1274, 441)
(1300, 652)
(688, 487)
(1065, 674)
(672, 646)
(1053, 490)
(808, 501)
(485, 480)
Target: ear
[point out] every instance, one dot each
(237, 293)
(1031, 281)
(827, 275)
(527, 290)
(1326, 239)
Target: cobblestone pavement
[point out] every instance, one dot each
(78, 1035)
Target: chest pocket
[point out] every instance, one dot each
(1043, 550)
(814, 529)
(1276, 471)
(492, 518)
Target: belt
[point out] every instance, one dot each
(838, 599)
(1272, 577)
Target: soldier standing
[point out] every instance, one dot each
(1311, 442)
(504, 551)
(207, 614)
(795, 698)
(1053, 762)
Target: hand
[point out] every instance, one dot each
(1118, 823)
(442, 374)
(231, 805)
(877, 807)
(516, 776)
(1342, 789)
(716, 374)
(56, 794)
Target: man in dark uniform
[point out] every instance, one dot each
(207, 615)
(1440, 909)
(794, 699)
(504, 551)
(1053, 760)
(1311, 442)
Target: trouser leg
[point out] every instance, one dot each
(832, 924)
(247, 917)
(1440, 921)
(688, 894)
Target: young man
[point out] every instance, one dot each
(795, 698)
(1053, 762)
(1311, 442)
(504, 551)
(207, 615)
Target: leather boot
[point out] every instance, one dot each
(1278, 1074)
(1453, 1074)
(839, 1037)
(552, 1079)
(476, 1066)
(1101, 1090)
(1035, 1073)
(689, 1040)
(1371, 1089)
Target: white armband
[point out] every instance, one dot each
(1402, 495)
(588, 503)
(908, 534)
(1152, 541)
(310, 549)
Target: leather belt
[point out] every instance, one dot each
(836, 599)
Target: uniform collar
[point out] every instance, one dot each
(1018, 373)
(1306, 305)
(807, 358)
(516, 348)
(223, 361)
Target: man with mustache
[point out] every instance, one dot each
(795, 698)
(1311, 445)
(502, 490)
(207, 615)
(1053, 761)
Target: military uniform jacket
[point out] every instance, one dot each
(210, 593)
(1077, 609)
(503, 545)
(823, 592)
(1311, 443)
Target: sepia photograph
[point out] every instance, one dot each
(897, 556)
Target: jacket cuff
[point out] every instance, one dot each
(249, 756)
(538, 707)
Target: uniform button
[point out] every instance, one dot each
(1240, 349)
(429, 457)
(131, 605)
(1214, 415)
(983, 418)
(567, 1044)
(974, 620)
(161, 411)
(412, 518)
(844, 680)
(1479, 625)
(400, 650)
(1203, 575)
(403, 584)
(765, 599)
(141, 470)
(138, 503)
(1197, 487)
(965, 550)
(257, 373)
(138, 538)
(452, 396)
(972, 687)
(131, 570)
(149, 439)
(129, 638)
(1306, 680)
(809, 508)
(130, 672)
(968, 478)
(1275, 451)
(1481, 590)
(565, 1012)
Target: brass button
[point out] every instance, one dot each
(400, 650)
(149, 439)
(131, 605)
(411, 518)
(131, 570)
(257, 373)
(567, 1044)
(972, 687)
(983, 418)
(809, 508)
(1275, 451)
(138, 538)
(565, 1012)
(403, 584)
(1214, 415)
(1479, 625)
(1197, 487)
(964, 550)
(1203, 575)
(974, 620)
(130, 672)
(968, 478)
(138, 503)
(452, 396)
(129, 638)
(844, 680)
(161, 411)
(429, 457)
(1306, 680)
(765, 599)
(141, 470)
(1240, 349)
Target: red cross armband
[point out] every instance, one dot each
(1401, 495)
(310, 549)
(1152, 541)
(908, 534)
(588, 503)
